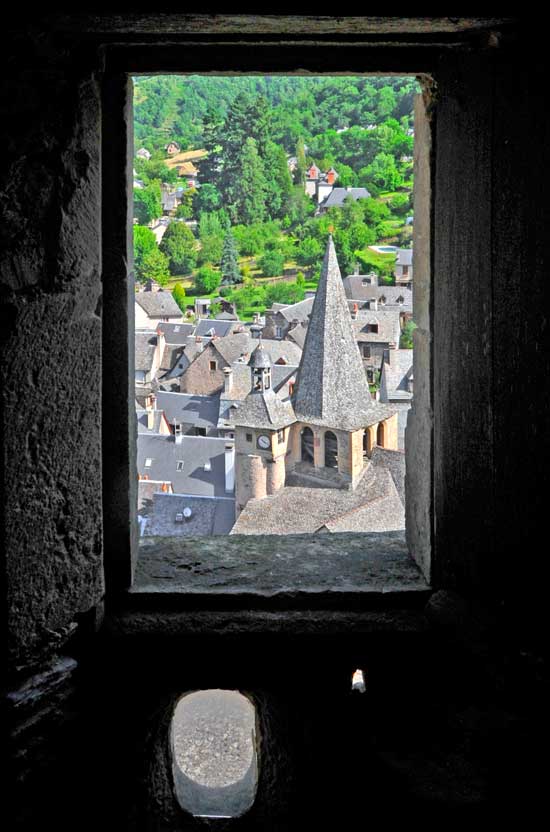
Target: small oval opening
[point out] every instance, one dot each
(214, 754)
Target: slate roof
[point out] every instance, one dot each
(242, 380)
(209, 515)
(158, 304)
(297, 311)
(388, 324)
(298, 335)
(338, 196)
(143, 421)
(175, 333)
(232, 347)
(144, 350)
(404, 257)
(195, 452)
(331, 386)
(385, 295)
(375, 505)
(221, 327)
(264, 410)
(185, 408)
(395, 374)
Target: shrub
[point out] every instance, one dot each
(271, 263)
(207, 280)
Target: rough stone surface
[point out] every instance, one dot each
(291, 565)
(50, 349)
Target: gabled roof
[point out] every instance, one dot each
(265, 410)
(158, 304)
(144, 350)
(217, 326)
(188, 409)
(388, 327)
(297, 311)
(331, 387)
(208, 515)
(195, 452)
(175, 333)
(385, 295)
(338, 196)
(404, 257)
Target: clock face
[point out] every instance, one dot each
(264, 441)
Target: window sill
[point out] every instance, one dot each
(346, 571)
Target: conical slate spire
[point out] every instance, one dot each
(331, 387)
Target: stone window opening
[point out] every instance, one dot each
(125, 96)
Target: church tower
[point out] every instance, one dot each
(337, 420)
(262, 429)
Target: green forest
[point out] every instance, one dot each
(250, 220)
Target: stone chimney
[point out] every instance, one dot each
(373, 304)
(228, 380)
(151, 419)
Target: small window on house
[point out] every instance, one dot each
(372, 327)
(366, 351)
(278, 332)
(179, 465)
(249, 437)
(213, 365)
(280, 436)
(148, 462)
(200, 431)
(214, 753)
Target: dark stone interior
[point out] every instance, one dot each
(455, 715)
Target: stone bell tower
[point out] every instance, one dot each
(337, 420)
(262, 428)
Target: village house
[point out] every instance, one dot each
(404, 266)
(186, 414)
(282, 318)
(145, 352)
(375, 333)
(396, 386)
(337, 197)
(205, 373)
(152, 308)
(143, 153)
(368, 293)
(186, 485)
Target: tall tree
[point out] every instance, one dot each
(279, 181)
(147, 204)
(144, 242)
(229, 265)
(180, 246)
(250, 185)
(301, 165)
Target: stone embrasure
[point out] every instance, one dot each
(278, 566)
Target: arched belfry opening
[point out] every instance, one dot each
(331, 450)
(381, 435)
(306, 444)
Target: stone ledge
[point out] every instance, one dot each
(243, 571)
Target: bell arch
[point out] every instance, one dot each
(331, 450)
(306, 445)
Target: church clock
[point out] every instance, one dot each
(264, 441)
